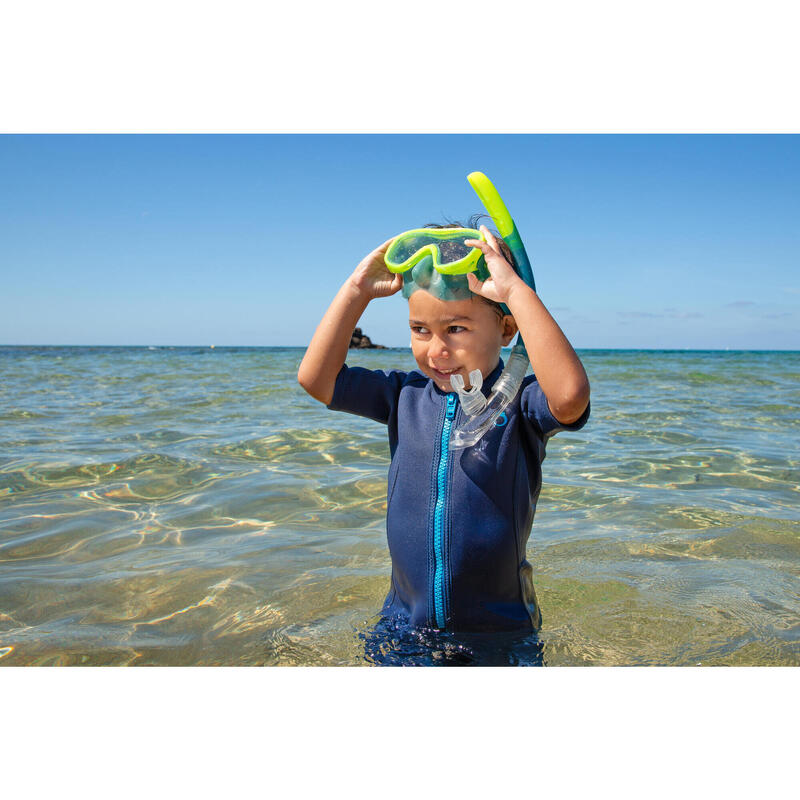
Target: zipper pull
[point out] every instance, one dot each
(451, 405)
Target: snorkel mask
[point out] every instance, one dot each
(437, 260)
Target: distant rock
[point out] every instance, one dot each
(360, 341)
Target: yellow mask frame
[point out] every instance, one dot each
(444, 246)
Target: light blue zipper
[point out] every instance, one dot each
(439, 512)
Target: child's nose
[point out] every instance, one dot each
(437, 347)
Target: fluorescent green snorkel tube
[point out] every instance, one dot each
(482, 414)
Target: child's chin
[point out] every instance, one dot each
(444, 385)
(442, 382)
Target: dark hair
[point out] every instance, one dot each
(473, 222)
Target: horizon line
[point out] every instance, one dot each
(405, 347)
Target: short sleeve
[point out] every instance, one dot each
(368, 393)
(534, 406)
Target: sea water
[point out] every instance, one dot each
(194, 506)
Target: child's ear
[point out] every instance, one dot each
(510, 329)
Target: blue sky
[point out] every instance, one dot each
(636, 240)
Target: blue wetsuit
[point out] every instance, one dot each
(458, 520)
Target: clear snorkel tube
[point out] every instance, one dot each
(482, 414)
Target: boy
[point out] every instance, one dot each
(457, 520)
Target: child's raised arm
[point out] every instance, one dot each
(557, 366)
(328, 349)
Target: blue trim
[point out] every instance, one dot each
(439, 515)
(433, 491)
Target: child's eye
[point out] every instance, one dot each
(419, 330)
(456, 328)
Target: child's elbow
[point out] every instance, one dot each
(312, 387)
(572, 403)
(306, 380)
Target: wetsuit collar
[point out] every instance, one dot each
(489, 380)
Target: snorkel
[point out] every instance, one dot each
(482, 414)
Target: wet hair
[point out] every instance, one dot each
(473, 222)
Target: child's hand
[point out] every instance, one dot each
(371, 276)
(503, 279)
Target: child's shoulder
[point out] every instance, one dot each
(360, 379)
(402, 378)
(415, 378)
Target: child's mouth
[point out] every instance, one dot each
(444, 375)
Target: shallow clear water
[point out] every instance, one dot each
(194, 506)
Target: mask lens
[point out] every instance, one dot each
(407, 246)
(453, 250)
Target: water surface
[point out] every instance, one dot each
(194, 506)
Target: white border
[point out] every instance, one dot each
(204, 732)
(177, 66)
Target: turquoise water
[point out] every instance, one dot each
(194, 506)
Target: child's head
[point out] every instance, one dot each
(458, 336)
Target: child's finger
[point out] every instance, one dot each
(482, 288)
(484, 247)
(487, 248)
(490, 238)
(475, 285)
(494, 258)
(494, 244)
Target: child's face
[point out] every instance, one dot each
(456, 336)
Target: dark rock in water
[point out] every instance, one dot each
(361, 341)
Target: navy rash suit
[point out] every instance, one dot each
(458, 520)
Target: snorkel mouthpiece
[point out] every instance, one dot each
(472, 399)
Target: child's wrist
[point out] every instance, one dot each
(357, 292)
(520, 291)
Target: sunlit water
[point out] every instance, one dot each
(194, 506)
